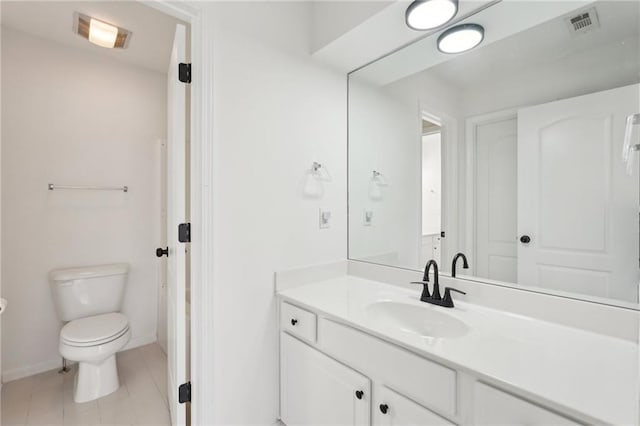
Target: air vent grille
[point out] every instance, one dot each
(583, 22)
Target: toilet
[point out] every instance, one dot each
(89, 300)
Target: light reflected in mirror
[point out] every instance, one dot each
(510, 153)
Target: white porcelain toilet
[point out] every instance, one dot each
(90, 298)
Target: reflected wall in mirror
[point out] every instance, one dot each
(509, 153)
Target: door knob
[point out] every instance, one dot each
(162, 252)
(384, 408)
(525, 239)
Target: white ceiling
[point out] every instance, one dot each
(500, 20)
(550, 42)
(152, 31)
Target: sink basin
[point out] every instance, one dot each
(418, 320)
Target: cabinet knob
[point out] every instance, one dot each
(384, 408)
(525, 239)
(162, 252)
(359, 394)
(294, 321)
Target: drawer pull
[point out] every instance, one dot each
(294, 321)
(384, 408)
(359, 394)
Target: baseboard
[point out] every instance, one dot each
(30, 370)
(140, 341)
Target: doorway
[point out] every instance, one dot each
(431, 182)
(90, 113)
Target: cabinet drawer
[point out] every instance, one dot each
(495, 407)
(298, 321)
(424, 381)
(393, 409)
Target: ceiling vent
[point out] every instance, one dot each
(583, 22)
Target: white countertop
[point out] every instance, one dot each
(572, 369)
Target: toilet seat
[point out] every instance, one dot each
(94, 330)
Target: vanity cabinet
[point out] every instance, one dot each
(392, 409)
(317, 390)
(334, 374)
(494, 407)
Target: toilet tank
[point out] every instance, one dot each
(89, 290)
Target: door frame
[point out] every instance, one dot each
(201, 195)
(471, 124)
(444, 168)
(449, 180)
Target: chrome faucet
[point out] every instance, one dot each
(435, 298)
(465, 265)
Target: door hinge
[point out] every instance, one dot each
(184, 232)
(184, 72)
(184, 393)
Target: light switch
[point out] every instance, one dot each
(368, 217)
(325, 218)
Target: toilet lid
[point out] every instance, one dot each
(95, 329)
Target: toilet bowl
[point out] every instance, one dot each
(89, 299)
(93, 343)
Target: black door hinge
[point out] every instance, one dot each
(184, 232)
(184, 393)
(184, 72)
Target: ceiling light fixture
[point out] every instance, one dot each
(101, 33)
(460, 38)
(429, 14)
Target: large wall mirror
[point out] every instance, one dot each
(511, 152)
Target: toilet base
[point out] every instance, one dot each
(94, 381)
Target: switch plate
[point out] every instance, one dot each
(368, 217)
(324, 219)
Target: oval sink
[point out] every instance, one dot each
(418, 320)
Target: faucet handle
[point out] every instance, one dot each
(448, 301)
(425, 290)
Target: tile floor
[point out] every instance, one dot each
(47, 398)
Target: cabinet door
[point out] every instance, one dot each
(317, 390)
(393, 409)
(493, 407)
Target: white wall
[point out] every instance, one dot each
(384, 135)
(275, 112)
(72, 117)
(547, 82)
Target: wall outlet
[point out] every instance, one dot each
(325, 219)
(368, 217)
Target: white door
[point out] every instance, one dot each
(316, 390)
(496, 188)
(393, 409)
(176, 212)
(575, 203)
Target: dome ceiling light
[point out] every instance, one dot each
(460, 38)
(429, 14)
